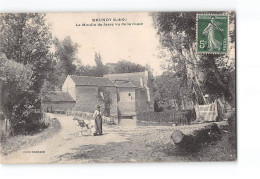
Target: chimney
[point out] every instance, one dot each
(142, 82)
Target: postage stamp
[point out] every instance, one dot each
(212, 33)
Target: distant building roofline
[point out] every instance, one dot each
(57, 96)
(91, 81)
(126, 74)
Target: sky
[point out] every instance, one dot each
(135, 43)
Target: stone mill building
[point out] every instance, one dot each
(129, 93)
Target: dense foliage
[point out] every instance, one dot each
(26, 60)
(175, 116)
(189, 76)
(16, 82)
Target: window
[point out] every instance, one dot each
(126, 96)
(130, 95)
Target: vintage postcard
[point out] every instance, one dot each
(118, 87)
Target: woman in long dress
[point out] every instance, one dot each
(98, 120)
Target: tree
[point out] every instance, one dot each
(169, 86)
(100, 69)
(124, 66)
(66, 57)
(16, 82)
(66, 54)
(177, 35)
(26, 39)
(85, 70)
(104, 96)
(97, 71)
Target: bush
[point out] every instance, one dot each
(190, 114)
(174, 116)
(157, 107)
(30, 124)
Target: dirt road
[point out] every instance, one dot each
(118, 144)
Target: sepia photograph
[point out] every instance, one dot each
(118, 87)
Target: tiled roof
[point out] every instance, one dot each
(127, 84)
(125, 76)
(124, 84)
(91, 81)
(136, 83)
(134, 78)
(57, 96)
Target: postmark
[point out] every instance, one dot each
(212, 33)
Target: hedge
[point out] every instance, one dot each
(177, 117)
(30, 124)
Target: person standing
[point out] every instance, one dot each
(98, 121)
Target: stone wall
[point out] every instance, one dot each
(57, 106)
(141, 103)
(86, 99)
(126, 108)
(126, 101)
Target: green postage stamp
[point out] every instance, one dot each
(212, 33)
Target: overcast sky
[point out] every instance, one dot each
(136, 43)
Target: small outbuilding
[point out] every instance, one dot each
(56, 101)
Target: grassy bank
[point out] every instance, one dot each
(15, 143)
